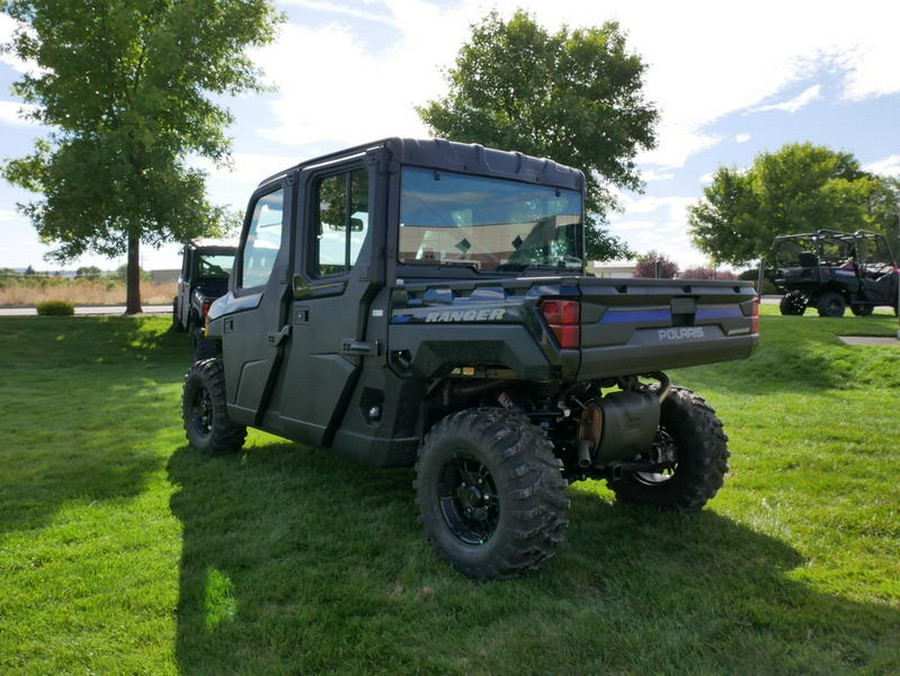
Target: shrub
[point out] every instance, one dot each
(701, 272)
(56, 308)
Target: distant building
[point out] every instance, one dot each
(616, 269)
(164, 276)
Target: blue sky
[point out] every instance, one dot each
(730, 81)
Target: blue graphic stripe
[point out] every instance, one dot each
(617, 316)
(731, 312)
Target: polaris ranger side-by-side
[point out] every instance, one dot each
(830, 270)
(424, 303)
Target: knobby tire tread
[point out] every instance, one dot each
(534, 501)
(702, 462)
(224, 436)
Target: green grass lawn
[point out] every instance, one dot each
(124, 552)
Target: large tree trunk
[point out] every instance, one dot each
(133, 276)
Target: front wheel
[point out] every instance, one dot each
(203, 408)
(491, 493)
(793, 303)
(862, 310)
(695, 439)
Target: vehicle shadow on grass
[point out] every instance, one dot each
(296, 562)
(730, 597)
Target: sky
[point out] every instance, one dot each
(730, 80)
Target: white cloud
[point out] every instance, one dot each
(742, 138)
(8, 215)
(888, 166)
(676, 143)
(705, 60)
(797, 103)
(331, 89)
(655, 176)
(247, 169)
(658, 223)
(7, 27)
(337, 8)
(10, 113)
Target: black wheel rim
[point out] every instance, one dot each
(202, 412)
(663, 474)
(468, 500)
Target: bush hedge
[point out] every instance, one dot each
(55, 308)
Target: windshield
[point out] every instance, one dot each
(215, 266)
(487, 224)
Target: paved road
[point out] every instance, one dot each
(163, 309)
(88, 310)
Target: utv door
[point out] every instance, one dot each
(336, 277)
(256, 325)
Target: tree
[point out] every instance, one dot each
(574, 96)
(884, 207)
(88, 271)
(800, 188)
(702, 272)
(655, 265)
(127, 87)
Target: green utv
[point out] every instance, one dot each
(424, 303)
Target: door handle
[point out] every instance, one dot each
(358, 347)
(276, 338)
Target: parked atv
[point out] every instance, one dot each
(830, 270)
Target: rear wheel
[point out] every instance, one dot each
(831, 304)
(203, 408)
(201, 347)
(861, 310)
(694, 435)
(491, 493)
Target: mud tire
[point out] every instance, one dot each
(491, 493)
(204, 412)
(831, 304)
(793, 303)
(701, 452)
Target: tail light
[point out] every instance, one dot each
(563, 318)
(205, 307)
(754, 318)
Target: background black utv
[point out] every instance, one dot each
(423, 303)
(829, 270)
(205, 268)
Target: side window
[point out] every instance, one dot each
(342, 221)
(263, 240)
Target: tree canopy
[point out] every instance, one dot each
(574, 96)
(800, 188)
(128, 88)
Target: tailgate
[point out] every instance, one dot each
(631, 326)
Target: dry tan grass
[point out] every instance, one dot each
(82, 292)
